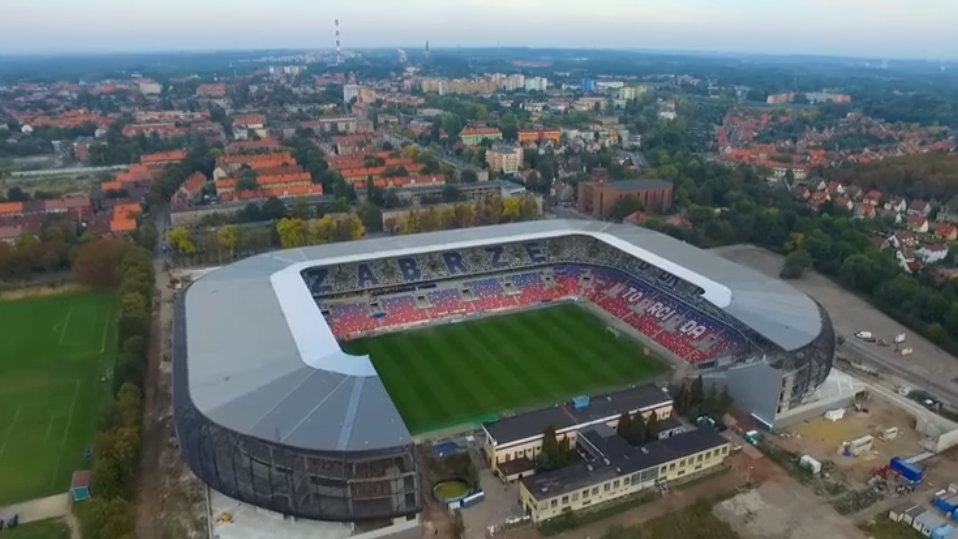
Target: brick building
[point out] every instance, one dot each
(598, 195)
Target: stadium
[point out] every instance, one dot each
(276, 406)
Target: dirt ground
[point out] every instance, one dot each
(171, 500)
(40, 291)
(850, 314)
(821, 438)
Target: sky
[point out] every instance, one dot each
(870, 28)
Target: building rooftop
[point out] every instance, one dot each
(564, 416)
(545, 485)
(635, 185)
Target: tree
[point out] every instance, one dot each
(247, 180)
(301, 209)
(451, 194)
(652, 428)
(528, 208)
(146, 235)
(371, 216)
(182, 241)
(321, 230)
(510, 209)
(509, 125)
(291, 232)
(796, 262)
(550, 456)
(624, 428)
(98, 262)
(228, 239)
(637, 435)
(273, 208)
(468, 176)
(625, 206)
(348, 228)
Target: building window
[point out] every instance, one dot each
(553, 503)
(724, 449)
(615, 484)
(565, 500)
(663, 469)
(671, 466)
(626, 480)
(585, 493)
(699, 458)
(575, 496)
(606, 487)
(595, 490)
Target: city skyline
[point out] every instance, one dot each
(883, 28)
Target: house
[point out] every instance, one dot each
(246, 125)
(873, 197)
(918, 224)
(896, 204)
(835, 188)
(504, 158)
(211, 90)
(864, 210)
(919, 208)
(903, 238)
(802, 192)
(124, 218)
(946, 231)
(932, 254)
(473, 136)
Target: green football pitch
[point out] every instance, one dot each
(54, 351)
(452, 374)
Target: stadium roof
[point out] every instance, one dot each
(263, 361)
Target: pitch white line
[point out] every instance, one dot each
(66, 429)
(6, 438)
(66, 322)
(46, 436)
(106, 326)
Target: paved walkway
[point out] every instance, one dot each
(56, 506)
(39, 509)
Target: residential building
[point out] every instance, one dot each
(211, 90)
(81, 149)
(919, 208)
(504, 158)
(473, 136)
(946, 231)
(587, 85)
(932, 254)
(350, 92)
(917, 224)
(536, 84)
(247, 125)
(516, 81)
(513, 443)
(598, 197)
(149, 87)
(615, 470)
(539, 135)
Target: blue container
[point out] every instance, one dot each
(944, 532)
(910, 472)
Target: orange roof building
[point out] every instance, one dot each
(124, 218)
(163, 158)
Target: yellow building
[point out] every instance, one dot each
(504, 158)
(513, 443)
(621, 472)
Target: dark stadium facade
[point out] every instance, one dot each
(270, 411)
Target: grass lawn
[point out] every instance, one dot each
(55, 350)
(54, 528)
(694, 522)
(884, 528)
(466, 372)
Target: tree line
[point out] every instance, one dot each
(117, 264)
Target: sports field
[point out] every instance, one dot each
(53, 353)
(457, 373)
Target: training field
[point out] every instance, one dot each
(450, 374)
(53, 353)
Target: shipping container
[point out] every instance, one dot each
(909, 517)
(944, 532)
(896, 513)
(910, 472)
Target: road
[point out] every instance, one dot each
(459, 164)
(861, 351)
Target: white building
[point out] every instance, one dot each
(350, 92)
(505, 158)
(149, 87)
(514, 82)
(537, 84)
